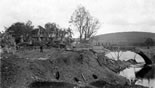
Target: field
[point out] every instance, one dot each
(124, 38)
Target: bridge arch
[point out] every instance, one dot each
(144, 56)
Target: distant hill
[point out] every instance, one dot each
(124, 38)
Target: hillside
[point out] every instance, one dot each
(124, 38)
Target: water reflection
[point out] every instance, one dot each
(142, 76)
(145, 72)
(139, 74)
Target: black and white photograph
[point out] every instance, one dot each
(77, 43)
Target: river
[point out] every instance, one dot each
(139, 74)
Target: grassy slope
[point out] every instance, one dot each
(125, 37)
(19, 72)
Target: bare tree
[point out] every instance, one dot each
(84, 22)
(91, 27)
(118, 53)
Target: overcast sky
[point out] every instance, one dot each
(114, 15)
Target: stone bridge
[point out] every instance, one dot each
(144, 56)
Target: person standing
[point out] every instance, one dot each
(41, 48)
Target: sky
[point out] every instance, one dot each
(114, 15)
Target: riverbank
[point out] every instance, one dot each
(114, 65)
(82, 68)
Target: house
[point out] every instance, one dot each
(38, 35)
